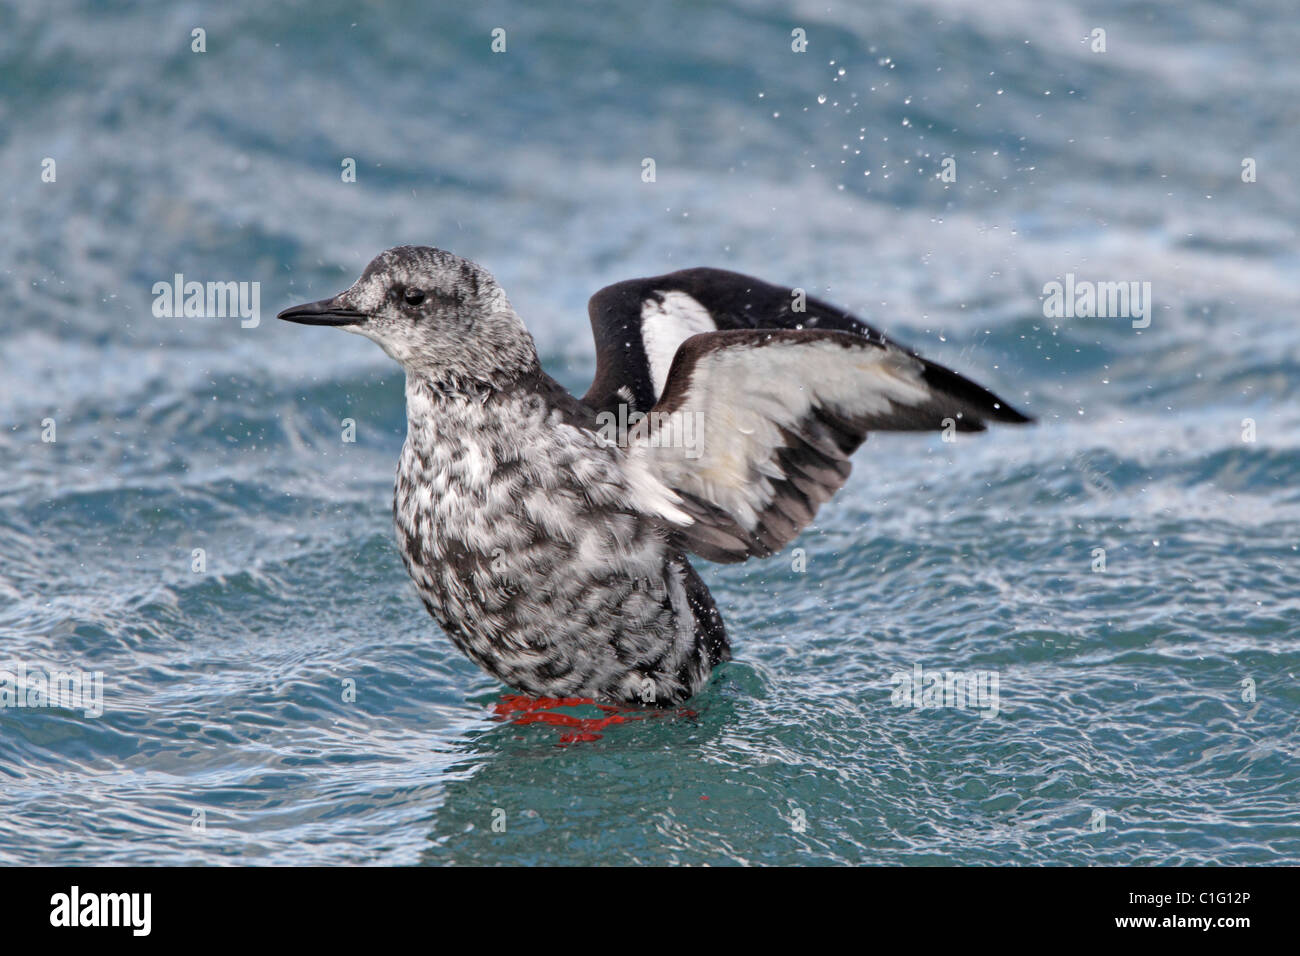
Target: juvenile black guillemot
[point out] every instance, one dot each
(548, 534)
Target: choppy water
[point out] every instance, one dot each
(1119, 693)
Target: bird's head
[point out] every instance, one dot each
(440, 316)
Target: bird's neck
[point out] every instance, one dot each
(502, 374)
(432, 402)
(468, 409)
(506, 357)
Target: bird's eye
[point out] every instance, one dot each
(413, 296)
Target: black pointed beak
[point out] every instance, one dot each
(325, 312)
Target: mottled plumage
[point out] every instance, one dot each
(548, 534)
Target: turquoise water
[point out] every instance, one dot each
(1125, 729)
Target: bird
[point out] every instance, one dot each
(550, 535)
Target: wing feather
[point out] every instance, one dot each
(779, 388)
(775, 416)
(638, 325)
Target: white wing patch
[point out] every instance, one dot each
(746, 396)
(667, 324)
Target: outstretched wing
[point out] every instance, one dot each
(639, 324)
(753, 429)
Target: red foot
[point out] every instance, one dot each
(540, 710)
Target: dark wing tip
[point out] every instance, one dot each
(976, 400)
(1013, 417)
